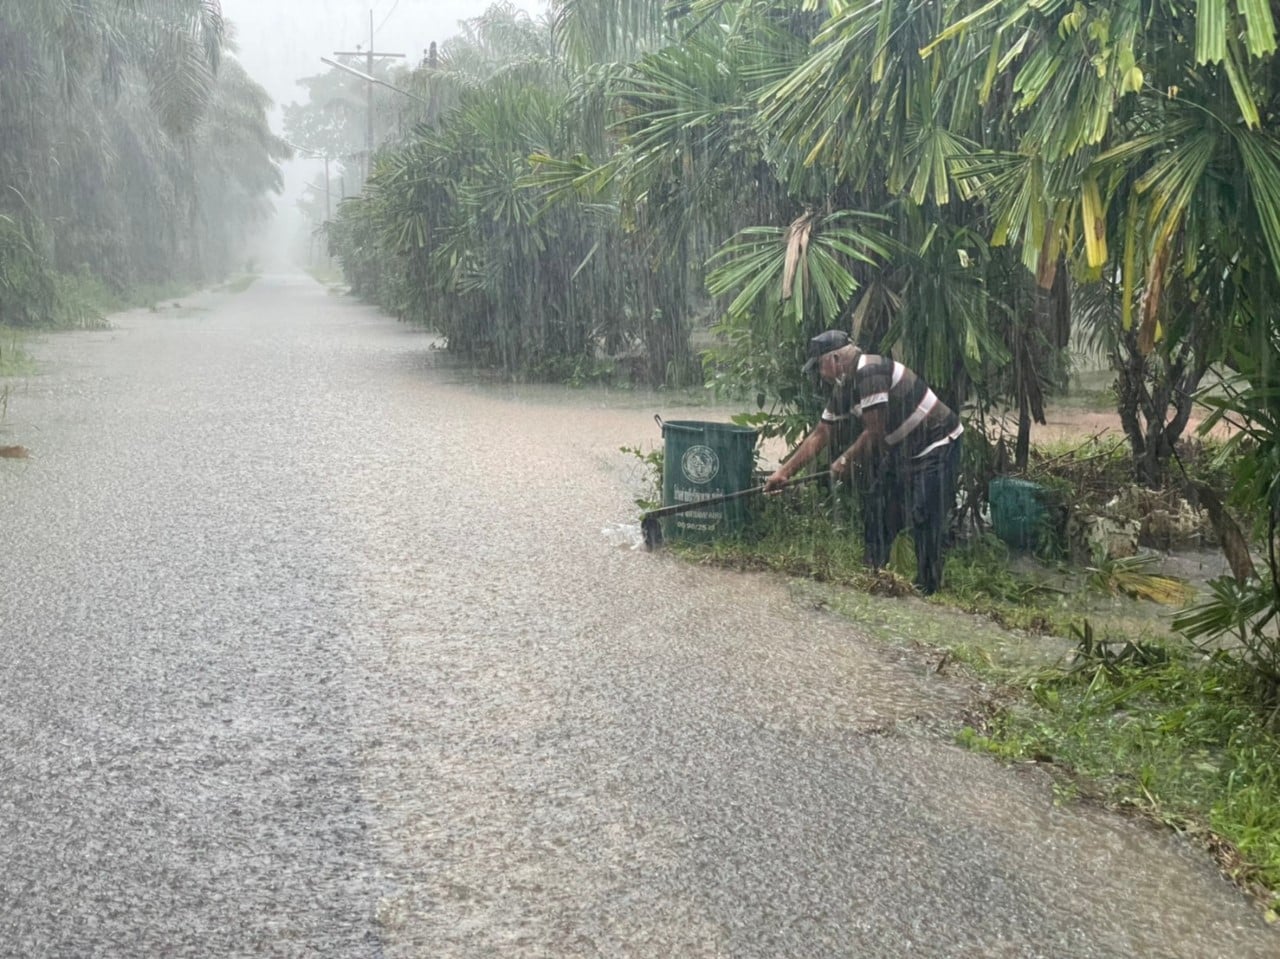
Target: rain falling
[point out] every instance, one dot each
(639, 478)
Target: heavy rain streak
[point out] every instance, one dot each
(497, 480)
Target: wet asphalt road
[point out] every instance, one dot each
(312, 646)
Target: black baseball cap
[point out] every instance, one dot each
(822, 344)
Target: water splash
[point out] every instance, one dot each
(624, 534)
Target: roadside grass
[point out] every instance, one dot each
(816, 534)
(800, 533)
(328, 275)
(1135, 718)
(82, 301)
(239, 283)
(14, 359)
(91, 300)
(152, 296)
(1166, 732)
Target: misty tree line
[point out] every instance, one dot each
(133, 152)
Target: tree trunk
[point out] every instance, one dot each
(1234, 545)
(1144, 409)
(1022, 449)
(1129, 366)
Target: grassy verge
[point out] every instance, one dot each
(85, 301)
(150, 296)
(1133, 717)
(238, 284)
(329, 275)
(1164, 732)
(14, 359)
(811, 534)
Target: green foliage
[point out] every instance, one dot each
(1249, 612)
(1093, 654)
(801, 275)
(979, 578)
(33, 294)
(1245, 616)
(28, 285)
(747, 365)
(1133, 576)
(239, 284)
(14, 359)
(650, 463)
(1152, 728)
(787, 285)
(980, 568)
(807, 531)
(332, 121)
(816, 533)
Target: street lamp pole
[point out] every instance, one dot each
(364, 76)
(328, 206)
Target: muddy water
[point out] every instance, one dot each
(311, 645)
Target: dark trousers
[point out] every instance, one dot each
(920, 492)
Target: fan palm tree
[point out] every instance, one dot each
(1142, 153)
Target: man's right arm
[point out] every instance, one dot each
(813, 444)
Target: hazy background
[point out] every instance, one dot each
(280, 41)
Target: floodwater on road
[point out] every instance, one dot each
(313, 645)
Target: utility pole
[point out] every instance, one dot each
(431, 62)
(369, 56)
(328, 204)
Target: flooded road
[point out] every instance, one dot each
(312, 646)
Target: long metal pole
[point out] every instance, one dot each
(328, 207)
(368, 139)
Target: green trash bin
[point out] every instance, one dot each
(702, 461)
(1018, 512)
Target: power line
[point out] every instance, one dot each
(388, 16)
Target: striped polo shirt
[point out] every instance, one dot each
(916, 421)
